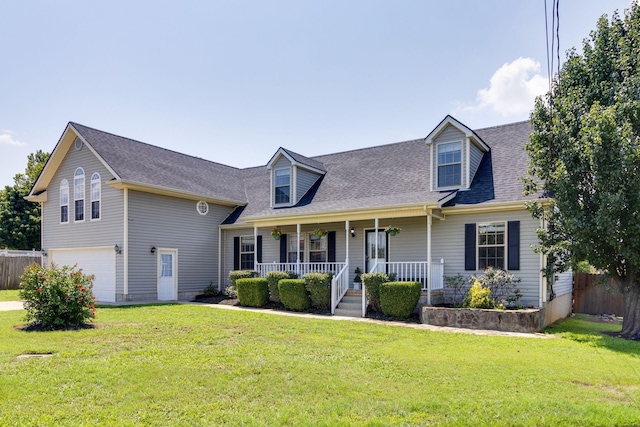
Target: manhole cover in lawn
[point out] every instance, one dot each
(31, 355)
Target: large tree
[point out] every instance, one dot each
(19, 219)
(585, 152)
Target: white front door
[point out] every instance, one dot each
(167, 275)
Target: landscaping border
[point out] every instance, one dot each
(526, 320)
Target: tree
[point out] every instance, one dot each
(585, 152)
(19, 219)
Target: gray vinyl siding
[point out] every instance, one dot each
(281, 163)
(172, 223)
(475, 157)
(449, 134)
(564, 283)
(448, 243)
(304, 180)
(108, 231)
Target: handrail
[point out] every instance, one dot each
(300, 268)
(339, 287)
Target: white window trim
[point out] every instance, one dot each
(504, 243)
(275, 186)
(437, 168)
(206, 206)
(95, 179)
(76, 198)
(64, 185)
(247, 252)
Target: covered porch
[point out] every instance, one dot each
(339, 247)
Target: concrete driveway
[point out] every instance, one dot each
(11, 305)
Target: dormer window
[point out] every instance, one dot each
(282, 186)
(450, 164)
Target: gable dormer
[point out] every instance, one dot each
(292, 175)
(456, 152)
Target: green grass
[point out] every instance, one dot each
(9, 295)
(191, 365)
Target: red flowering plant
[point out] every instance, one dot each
(57, 297)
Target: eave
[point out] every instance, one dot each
(164, 191)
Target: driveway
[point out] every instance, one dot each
(11, 305)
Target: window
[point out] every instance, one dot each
(283, 185)
(292, 245)
(64, 201)
(166, 265)
(247, 247)
(317, 248)
(96, 192)
(449, 164)
(78, 194)
(491, 243)
(202, 207)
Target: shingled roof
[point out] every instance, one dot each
(141, 163)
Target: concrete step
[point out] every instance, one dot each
(348, 312)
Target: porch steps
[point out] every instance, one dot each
(350, 306)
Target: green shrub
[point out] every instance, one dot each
(294, 295)
(253, 292)
(398, 299)
(234, 275)
(273, 277)
(210, 291)
(319, 287)
(457, 284)
(478, 297)
(372, 282)
(57, 297)
(504, 292)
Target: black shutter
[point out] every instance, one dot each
(236, 253)
(331, 250)
(469, 246)
(259, 249)
(513, 254)
(283, 248)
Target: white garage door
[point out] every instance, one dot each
(99, 262)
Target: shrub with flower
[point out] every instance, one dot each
(57, 297)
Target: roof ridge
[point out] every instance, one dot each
(154, 146)
(503, 125)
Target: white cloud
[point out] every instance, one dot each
(6, 138)
(512, 89)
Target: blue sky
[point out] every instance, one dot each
(231, 81)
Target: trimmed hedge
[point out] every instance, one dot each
(293, 294)
(241, 274)
(372, 282)
(252, 292)
(319, 287)
(273, 277)
(398, 299)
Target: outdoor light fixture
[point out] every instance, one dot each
(153, 249)
(353, 232)
(117, 249)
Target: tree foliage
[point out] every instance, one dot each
(20, 219)
(585, 149)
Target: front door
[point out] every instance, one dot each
(370, 255)
(167, 275)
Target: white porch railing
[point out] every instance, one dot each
(339, 287)
(302, 268)
(415, 271)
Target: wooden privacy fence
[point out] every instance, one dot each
(590, 297)
(12, 265)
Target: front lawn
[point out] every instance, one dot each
(195, 365)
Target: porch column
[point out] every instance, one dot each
(347, 232)
(255, 248)
(429, 222)
(377, 224)
(298, 251)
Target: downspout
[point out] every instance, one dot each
(220, 231)
(125, 259)
(255, 248)
(377, 224)
(298, 249)
(429, 223)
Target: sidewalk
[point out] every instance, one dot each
(10, 305)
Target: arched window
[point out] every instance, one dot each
(78, 194)
(64, 201)
(95, 196)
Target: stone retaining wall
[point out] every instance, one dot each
(528, 320)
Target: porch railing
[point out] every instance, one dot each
(339, 287)
(302, 268)
(415, 271)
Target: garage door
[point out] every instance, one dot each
(99, 262)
